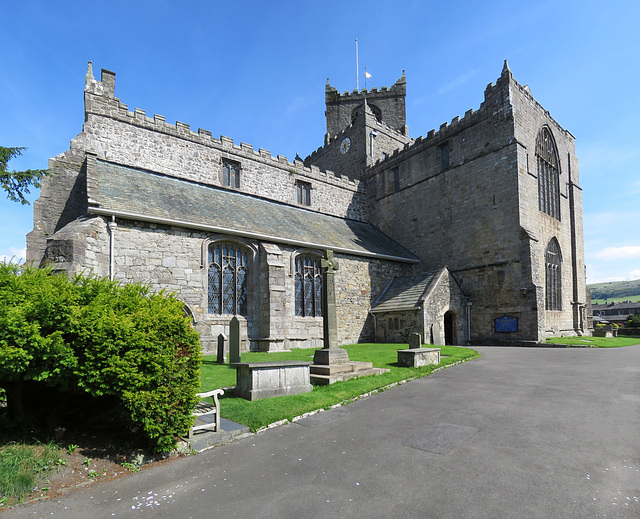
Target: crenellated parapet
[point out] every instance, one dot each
(398, 88)
(388, 105)
(497, 103)
(100, 100)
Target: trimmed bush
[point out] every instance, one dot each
(633, 321)
(92, 336)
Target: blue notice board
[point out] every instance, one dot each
(506, 323)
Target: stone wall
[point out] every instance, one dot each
(529, 118)
(478, 213)
(428, 319)
(390, 102)
(359, 284)
(445, 297)
(133, 139)
(461, 213)
(62, 199)
(395, 327)
(370, 142)
(171, 258)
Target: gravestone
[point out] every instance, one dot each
(221, 353)
(415, 340)
(234, 341)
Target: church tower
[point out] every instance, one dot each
(388, 105)
(363, 127)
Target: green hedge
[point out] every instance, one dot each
(633, 321)
(92, 336)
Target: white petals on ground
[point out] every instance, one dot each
(616, 488)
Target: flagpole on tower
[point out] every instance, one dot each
(357, 76)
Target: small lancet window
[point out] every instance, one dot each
(308, 286)
(230, 174)
(303, 190)
(444, 157)
(548, 174)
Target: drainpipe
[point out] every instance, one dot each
(112, 231)
(371, 136)
(375, 327)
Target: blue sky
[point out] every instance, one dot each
(256, 72)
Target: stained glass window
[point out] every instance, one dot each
(227, 291)
(308, 286)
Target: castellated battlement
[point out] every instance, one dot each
(494, 101)
(446, 130)
(398, 88)
(100, 100)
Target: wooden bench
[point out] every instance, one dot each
(207, 409)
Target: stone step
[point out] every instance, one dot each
(323, 380)
(347, 367)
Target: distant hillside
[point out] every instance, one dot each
(615, 290)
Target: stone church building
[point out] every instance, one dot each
(470, 234)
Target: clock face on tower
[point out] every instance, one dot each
(345, 145)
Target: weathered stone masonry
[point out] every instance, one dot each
(465, 197)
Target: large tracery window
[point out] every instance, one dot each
(228, 278)
(308, 286)
(548, 174)
(553, 276)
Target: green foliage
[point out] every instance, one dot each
(94, 336)
(633, 322)
(17, 183)
(21, 466)
(615, 291)
(34, 312)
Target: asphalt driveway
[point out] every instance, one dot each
(519, 433)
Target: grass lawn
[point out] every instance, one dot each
(23, 466)
(596, 342)
(261, 413)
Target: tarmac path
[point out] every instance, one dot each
(519, 433)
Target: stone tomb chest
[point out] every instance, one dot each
(416, 357)
(274, 378)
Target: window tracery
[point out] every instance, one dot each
(230, 174)
(227, 278)
(553, 276)
(308, 286)
(548, 174)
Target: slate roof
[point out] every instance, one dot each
(405, 292)
(141, 195)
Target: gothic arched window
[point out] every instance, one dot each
(553, 276)
(228, 277)
(548, 174)
(308, 286)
